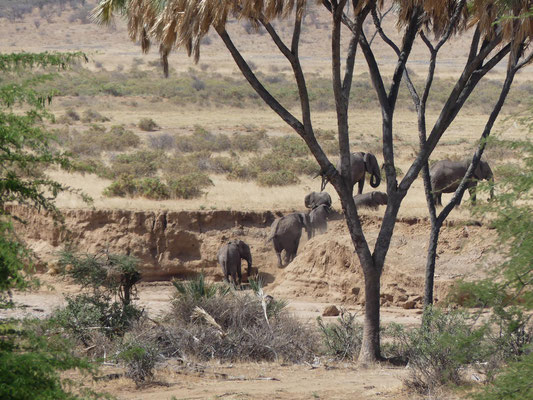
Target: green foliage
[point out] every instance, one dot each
(13, 259)
(140, 359)
(247, 142)
(514, 383)
(141, 163)
(342, 339)
(30, 365)
(105, 276)
(513, 211)
(189, 186)
(277, 178)
(445, 343)
(198, 288)
(289, 146)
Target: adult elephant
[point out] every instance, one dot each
(360, 164)
(286, 232)
(315, 199)
(446, 175)
(229, 257)
(319, 219)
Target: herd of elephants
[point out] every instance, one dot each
(286, 231)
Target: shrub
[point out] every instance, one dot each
(221, 164)
(93, 116)
(189, 186)
(241, 173)
(102, 276)
(72, 115)
(230, 327)
(163, 141)
(140, 355)
(246, 142)
(128, 186)
(445, 343)
(202, 140)
(97, 138)
(342, 339)
(277, 178)
(147, 124)
(289, 146)
(139, 164)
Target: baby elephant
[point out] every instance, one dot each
(370, 199)
(229, 257)
(286, 232)
(319, 219)
(315, 199)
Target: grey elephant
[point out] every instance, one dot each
(286, 232)
(229, 257)
(315, 199)
(360, 164)
(371, 199)
(319, 219)
(446, 175)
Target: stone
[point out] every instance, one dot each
(330, 311)
(409, 305)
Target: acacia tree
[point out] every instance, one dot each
(183, 23)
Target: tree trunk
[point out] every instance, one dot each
(370, 347)
(430, 263)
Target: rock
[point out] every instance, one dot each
(401, 298)
(330, 311)
(409, 305)
(355, 291)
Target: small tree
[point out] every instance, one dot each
(183, 23)
(30, 364)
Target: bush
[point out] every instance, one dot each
(140, 355)
(142, 163)
(97, 138)
(277, 178)
(189, 186)
(289, 146)
(147, 124)
(445, 343)
(247, 142)
(103, 276)
(202, 140)
(93, 116)
(163, 141)
(128, 186)
(216, 323)
(343, 339)
(241, 173)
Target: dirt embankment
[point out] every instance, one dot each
(179, 244)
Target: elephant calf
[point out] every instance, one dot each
(229, 257)
(319, 219)
(286, 232)
(370, 199)
(315, 199)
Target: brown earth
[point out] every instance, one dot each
(181, 244)
(325, 272)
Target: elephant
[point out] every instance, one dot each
(315, 199)
(286, 232)
(446, 175)
(319, 219)
(371, 199)
(229, 257)
(360, 163)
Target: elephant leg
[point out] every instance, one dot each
(438, 199)
(360, 185)
(278, 249)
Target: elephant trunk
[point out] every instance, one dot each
(375, 180)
